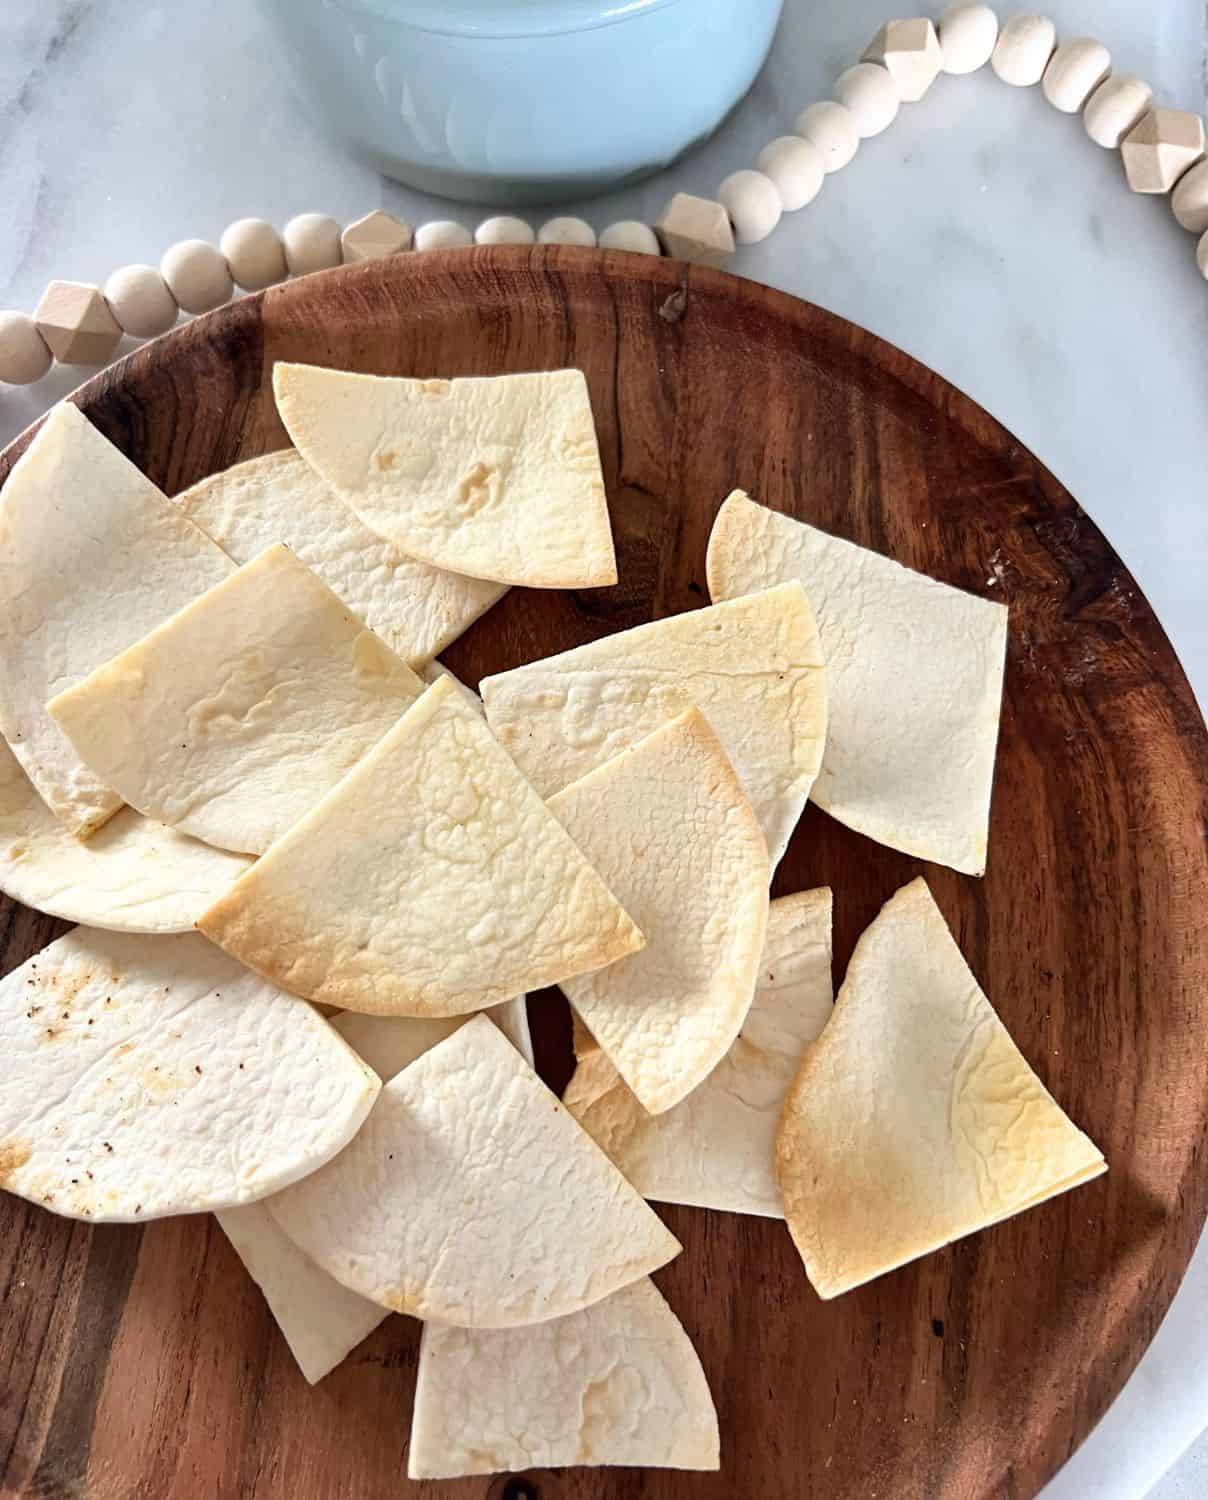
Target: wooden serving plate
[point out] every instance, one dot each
(141, 1362)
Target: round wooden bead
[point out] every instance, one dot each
(832, 128)
(139, 299)
(1201, 256)
(868, 90)
(1023, 49)
(632, 235)
(967, 35)
(312, 243)
(1075, 71)
(796, 167)
(255, 254)
(1190, 199)
(753, 204)
(504, 230)
(24, 356)
(442, 234)
(1114, 108)
(566, 230)
(197, 275)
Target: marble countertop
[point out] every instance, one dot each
(983, 233)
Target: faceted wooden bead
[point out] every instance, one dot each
(753, 204)
(1075, 71)
(1114, 108)
(76, 323)
(503, 229)
(967, 35)
(312, 243)
(255, 254)
(139, 299)
(869, 91)
(442, 234)
(24, 355)
(567, 230)
(197, 275)
(1023, 49)
(1160, 148)
(910, 52)
(832, 128)
(1190, 199)
(796, 167)
(631, 235)
(696, 230)
(374, 236)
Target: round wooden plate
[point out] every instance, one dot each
(142, 1362)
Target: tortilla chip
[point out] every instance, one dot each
(233, 718)
(416, 609)
(915, 669)
(618, 1383)
(391, 1043)
(753, 667)
(91, 557)
(321, 1320)
(472, 1197)
(914, 1119)
(494, 476)
(131, 876)
(151, 1075)
(715, 1149)
(667, 826)
(431, 881)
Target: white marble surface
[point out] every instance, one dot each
(983, 233)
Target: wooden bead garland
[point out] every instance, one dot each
(1161, 149)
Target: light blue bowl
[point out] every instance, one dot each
(524, 101)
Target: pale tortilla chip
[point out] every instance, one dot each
(416, 609)
(618, 1383)
(753, 667)
(914, 1119)
(471, 1197)
(667, 826)
(151, 1075)
(495, 476)
(715, 1149)
(133, 875)
(234, 717)
(915, 669)
(322, 1321)
(92, 556)
(431, 881)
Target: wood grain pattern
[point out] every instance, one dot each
(142, 1363)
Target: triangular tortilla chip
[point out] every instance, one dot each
(667, 826)
(416, 609)
(715, 1149)
(234, 717)
(472, 1197)
(914, 1118)
(92, 555)
(431, 881)
(915, 672)
(133, 875)
(151, 1075)
(493, 476)
(321, 1320)
(618, 1383)
(753, 667)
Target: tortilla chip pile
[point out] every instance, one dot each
(230, 756)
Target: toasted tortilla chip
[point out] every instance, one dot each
(321, 1320)
(914, 1119)
(391, 1043)
(151, 1075)
(667, 826)
(234, 717)
(416, 609)
(472, 1197)
(618, 1383)
(715, 1149)
(92, 555)
(131, 876)
(431, 881)
(753, 667)
(915, 669)
(494, 476)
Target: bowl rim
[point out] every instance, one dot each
(487, 20)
